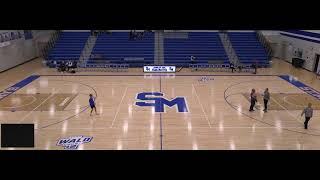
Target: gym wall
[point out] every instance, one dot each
(309, 49)
(20, 50)
(284, 47)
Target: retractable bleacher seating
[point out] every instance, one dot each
(206, 47)
(248, 48)
(117, 48)
(68, 47)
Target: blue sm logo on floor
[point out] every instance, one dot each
(158, 101)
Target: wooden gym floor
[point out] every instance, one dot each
(218, 116)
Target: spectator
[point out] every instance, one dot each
(239, 67)
(69, 65)
(254, 66)
(74, 64)
(232, 67)
(266, 98)
(308, 111)
(141, 35)
(253, 97)
(62, 67)
(134, 35)
(12, 36)
(193, 59)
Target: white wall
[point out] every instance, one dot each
(76, 30)
(270, 33)
(19, 51)
(310, 49)
(284, 47)
(272, 36)
(41, 38)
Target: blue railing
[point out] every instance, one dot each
(220, 67)
(104, 67)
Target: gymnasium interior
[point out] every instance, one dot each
(158, 89)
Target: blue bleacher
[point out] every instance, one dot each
(69, 46)
(204, 46)
(248, 48)
(118, 49)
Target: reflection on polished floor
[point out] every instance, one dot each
(196, 114)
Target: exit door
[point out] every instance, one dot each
(316, 63)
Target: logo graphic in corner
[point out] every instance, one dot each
(159, 102)
(74, 142)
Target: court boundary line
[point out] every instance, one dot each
(15, 107)
(18, 86)
(182, 76)
(161, 131)
(294, 117)
(205, 115)
(285, 99)
(300, 85)
(49, 97)
(195, 75)
(253, 118)
(277, 75)
(261, 121)
(114, 119)
(74, 115)
(193, 127)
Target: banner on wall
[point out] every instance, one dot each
(3, 44)
(4, 37)
(9, 36)
(152, 69)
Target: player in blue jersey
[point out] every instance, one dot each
(92, 104)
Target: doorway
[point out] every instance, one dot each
(317, 63)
